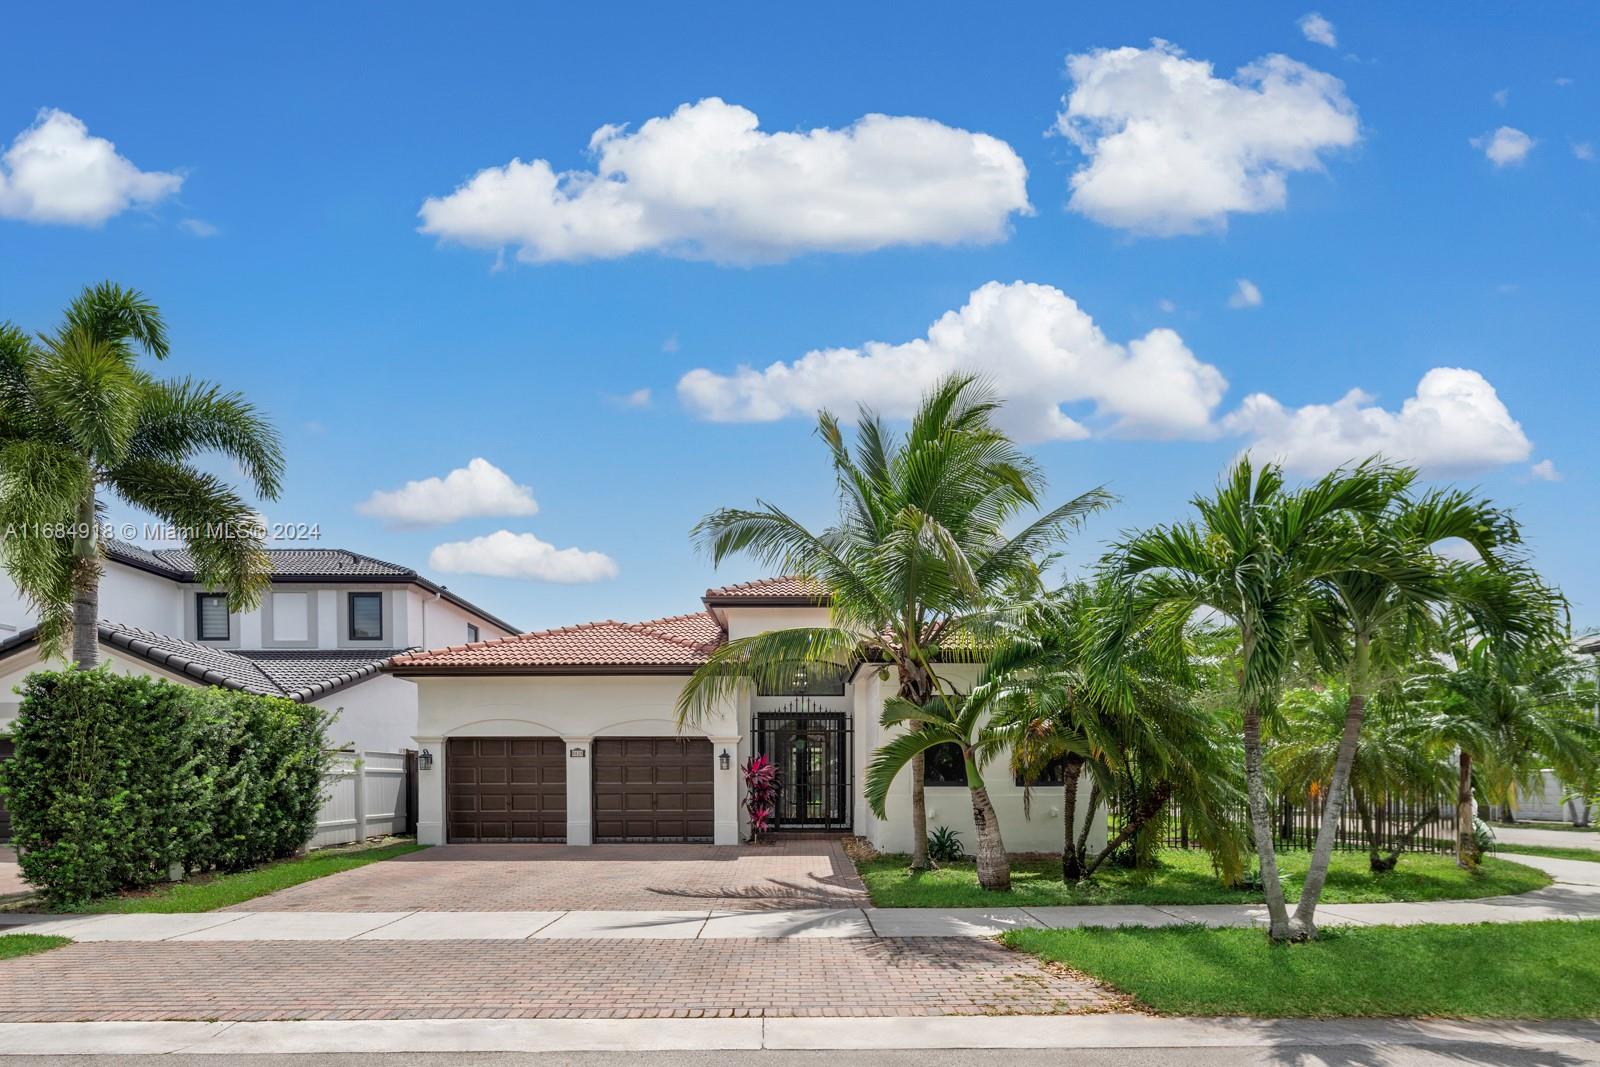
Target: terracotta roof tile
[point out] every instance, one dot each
(784, 587)
(680, 642)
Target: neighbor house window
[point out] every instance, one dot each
(472, 633)
(943, 765)
(366, 616)
(807, 680)
(211, 616)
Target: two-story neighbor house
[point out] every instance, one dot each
(571, 735)
(320, 635)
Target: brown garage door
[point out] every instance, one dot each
(652, 789)
(6, 748)
(507, 789)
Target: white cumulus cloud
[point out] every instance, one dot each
(1032, 343)
(1455, 424)
(1583, 150)
(1505, 147)
(504, 554)
(55, 171)
(1545, 471)
(706, 182)
(1245, 294)
(1318, 30)
(476, 490)
(1174, 149)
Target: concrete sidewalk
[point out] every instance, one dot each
(1103, 1031)
(1575, 895)
(1562, 901)
(1534, 835)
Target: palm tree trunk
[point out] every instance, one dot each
(1405, 840)
(915, 687)
(919, 816)
(1466, 851)
(1261, 826)
(1304, 921)
(1088, 821)
(994, 868)
(1137, 817)
(1071, 857)
(86, 589)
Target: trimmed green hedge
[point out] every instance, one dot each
(116, 779)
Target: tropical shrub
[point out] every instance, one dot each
(761, 793)
(944, 845)
(116, 780)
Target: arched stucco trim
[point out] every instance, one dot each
(476, 728)
(654, 726)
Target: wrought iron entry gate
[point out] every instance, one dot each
(812, 749)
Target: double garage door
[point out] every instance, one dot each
(505, 789)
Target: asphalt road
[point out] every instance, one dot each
(1454, 1055)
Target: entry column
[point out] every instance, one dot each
(431, 792)
(725, 806)
(580, 790)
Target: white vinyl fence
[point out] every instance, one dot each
(364, 796)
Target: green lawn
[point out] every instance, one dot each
(210, 892)
(1590, 854)
(1185, 877)
(1535, 970)
(14, 945)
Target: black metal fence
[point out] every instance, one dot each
(812, 748)
(1414, 824)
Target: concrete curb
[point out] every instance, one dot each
(642, 1035)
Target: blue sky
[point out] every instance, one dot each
(1387, 227)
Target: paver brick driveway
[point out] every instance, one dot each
(787, 874)
(246, 980)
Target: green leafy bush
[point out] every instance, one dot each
(117, 779)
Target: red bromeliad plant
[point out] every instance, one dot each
(761, 793)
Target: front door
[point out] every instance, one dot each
(811, 750)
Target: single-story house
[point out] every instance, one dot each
(571, 735)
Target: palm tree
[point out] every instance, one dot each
(78, 418)
(918, 548)
(1395, 596)
(1399, 757)
(1256, 558)
(1048, 689)
(1512, 712)
(944, 720)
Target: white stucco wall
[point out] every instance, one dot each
(1038, 829)
(377, 714)
(127, 595)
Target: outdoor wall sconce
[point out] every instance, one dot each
(577, 752)
(725, 760)
(425, 760)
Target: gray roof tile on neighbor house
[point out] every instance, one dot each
(298, 674)
(309, 673)
(295, 565)
(286, 562)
